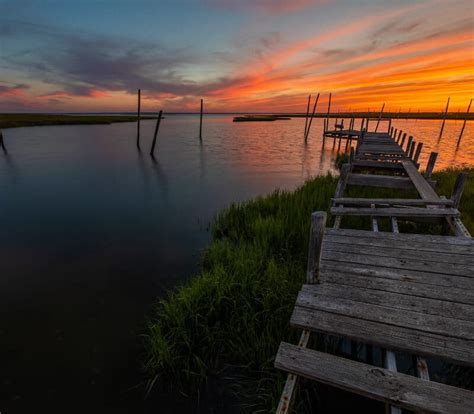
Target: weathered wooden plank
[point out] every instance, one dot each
(424, 189)
(431, 285)
(403, 301)
(378, 164)
(377, 383)
(385, 335)
(395, 212)
(445, 327)
(380, 181)
(398, 263)
(390, 201)
(400, 252)
(404, 237)
(454, 251)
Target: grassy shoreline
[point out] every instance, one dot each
(27, 120)
(233, 315)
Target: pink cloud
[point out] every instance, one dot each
(17, 91)
(272, 7)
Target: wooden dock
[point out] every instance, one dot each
(410, 293)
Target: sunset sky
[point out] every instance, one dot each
(239, 55)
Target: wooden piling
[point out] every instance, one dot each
(380, 117)
(403, 140)
(411, 150)
(138, 119)
(307, 114)
(431, 164)
(157, 127)
(318, 225)
(200, 121)
(391, 131)
(329, 109)
(2, 143)
(458, 188)
(395, 135)
(311, 119)
(464, 124)
(399, 136)
(418, 152)
(444, 120)
(410, 140)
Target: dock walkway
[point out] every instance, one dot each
(410, 293)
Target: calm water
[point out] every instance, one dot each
(92, 232)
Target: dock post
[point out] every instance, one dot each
(444, 120)
(407, 149)
(157, 127)
(403, 140)
(138, 119)
(200, 122)
(411, 150)
(395, 135)
(318, 224)
(458, 188)
(464, 124)
(399, 136)
(391, 131)
(380, 117)
(417, 153)
(2, 143)
(431, 164)
(311, 119)
(307, 114)
(329, 110)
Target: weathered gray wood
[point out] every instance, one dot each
(343, 178)
(458, 227)
(408, 301)
(409, 282)
(372, 180)
(348, 201)
(157, 127)
(377, 164)
(431, 164)
(458, 188)
(446, 327)
(377, 383)
(385, 335)
(399, 251)
(138, 118)
(422, 186)
(318, 224)
(403, 238)
(395, 212)
(399, 263)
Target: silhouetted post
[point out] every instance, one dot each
(307, 114)
(407, 149)
(380, 117)
(2, 143)
(138, 119)
(417, 153)
(200, 122)
(399, 136)
(157, 127)
(458, 187)
(464, 124)
(329, 109)
(411, 150)
(311, 120)
(403, 140)
(431, 164)
(444, 120)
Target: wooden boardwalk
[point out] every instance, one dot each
(409, 293)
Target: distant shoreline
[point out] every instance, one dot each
(16, 120)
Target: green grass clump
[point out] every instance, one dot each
(236, 311)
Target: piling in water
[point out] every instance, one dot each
(444, 120)
(464, 124)
(157, 127)
(306, 118)
(2, 143)
(200, 122)
(311, 120)
(138, 119)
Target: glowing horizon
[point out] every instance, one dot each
(239, 56)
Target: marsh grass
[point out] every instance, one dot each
(229, 320)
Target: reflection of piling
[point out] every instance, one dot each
(152, 151)
(200, 122)
(464, 124)
(138, 119)
(2, 143)
(444, 120)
